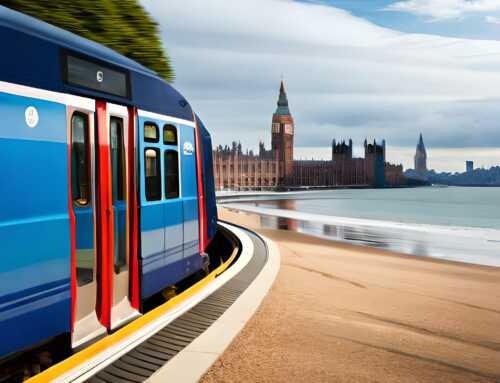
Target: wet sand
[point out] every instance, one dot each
(342, 313)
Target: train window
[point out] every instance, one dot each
(169, 135)
(171, 174)
(80, 166)
(81, 192)
(151, 132)
(117, 158)
(118, 188)
(152, 174)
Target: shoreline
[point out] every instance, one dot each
(305, 237)
(228, 214)
(478, 246)
(341, 312)
(311, 238)
(366, 222)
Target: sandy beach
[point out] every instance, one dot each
(342, 313)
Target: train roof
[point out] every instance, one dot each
(36, 53)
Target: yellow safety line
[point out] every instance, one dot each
(75, 360)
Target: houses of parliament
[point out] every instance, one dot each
(276, 168)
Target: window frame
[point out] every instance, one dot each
(167, 175)
(88, 163)
(158, 167)
(170, 127)
(150, 140)
(121, 192)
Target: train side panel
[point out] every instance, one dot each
(190, 199)
(152, 212)
(168, 205)
(35, 294)
(208, 179)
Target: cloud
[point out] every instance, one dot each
(438, 10)
(345, 77)
(492, 19)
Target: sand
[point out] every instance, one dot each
(342, 313)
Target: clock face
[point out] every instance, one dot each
(276, 127)
(288, 128)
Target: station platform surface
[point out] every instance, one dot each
(180, 339)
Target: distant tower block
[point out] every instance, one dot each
(469, 166)
(375, 163)
(282, 136)
(421, 157)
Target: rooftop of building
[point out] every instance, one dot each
(282, 109)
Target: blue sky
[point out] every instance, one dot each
(351, 70)
(469, 24)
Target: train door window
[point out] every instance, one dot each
(79, 162)
(151, 133)
(169, 135)
(152, 170)
(118, 187)
(81, 195)
(117, 158)
(171, 174)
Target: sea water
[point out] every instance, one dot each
(454, 223)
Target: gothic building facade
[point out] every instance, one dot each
(375, 163)
(282, 131)
(235, 170)
(276, 168)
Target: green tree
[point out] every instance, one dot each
(122, 25)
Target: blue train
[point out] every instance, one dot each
(106, 186)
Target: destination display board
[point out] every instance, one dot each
(96, 76)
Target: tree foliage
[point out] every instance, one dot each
(122, 25)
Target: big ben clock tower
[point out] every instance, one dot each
(282, 136)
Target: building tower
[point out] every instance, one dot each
(375, 163)
(282, 137)
(341, 152)
(469, 166)
(421, 157)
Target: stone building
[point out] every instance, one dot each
(375, 163)
(341, 152)
(348, 170)
(282, 132)
(394, 175)
(236, 170)
(327, 174)
(276, 168)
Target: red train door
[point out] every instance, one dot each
(82, 210)
(115, 215)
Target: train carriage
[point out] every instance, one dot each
(106, 186)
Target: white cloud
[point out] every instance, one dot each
(492, 19)
(444, 9)
(345, 76)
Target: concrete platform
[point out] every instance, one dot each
(85, 364)
(194, 360)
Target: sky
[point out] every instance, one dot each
(376, 69)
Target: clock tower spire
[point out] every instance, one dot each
(282, 135)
